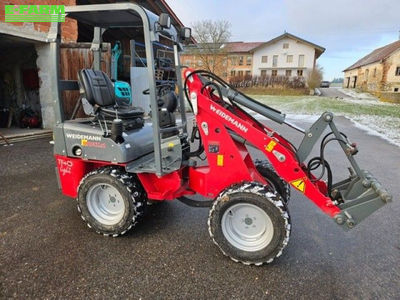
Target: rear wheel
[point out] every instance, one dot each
(250, 223)
(110, 201)
(273, 179)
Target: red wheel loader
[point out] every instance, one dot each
(118, 159)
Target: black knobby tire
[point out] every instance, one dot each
(255, 196)
(276, 182)
(129, 191)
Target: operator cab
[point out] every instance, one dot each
(143, 132)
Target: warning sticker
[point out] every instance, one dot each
(299, 184)
(220, 160)
(270, 146)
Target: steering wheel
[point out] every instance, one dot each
(158, 88)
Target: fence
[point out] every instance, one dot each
(268, 81)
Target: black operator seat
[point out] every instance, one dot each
(96, 87)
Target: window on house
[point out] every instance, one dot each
(398, 71)
(301, 60)
(396, 89)
(187, 62)
(233, 60)
(264, 59)
(299, 73)
(366, 74)
(211, 62)
(374, 72)
(240, 73)
(289, 58)
(224, 61)
(275, 61)
(240, 60)
(263, 73)
(224, 74)
(285, 45)
(274, 73)
(200, 62)
(288, 73)
(248, 60)
(248, 73)
(233, 73)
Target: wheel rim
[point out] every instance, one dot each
(247, 227)
(105, 204)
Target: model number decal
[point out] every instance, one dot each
(228, 118)
(65, 166)
(86, 143)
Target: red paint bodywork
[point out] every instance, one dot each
(237, 165)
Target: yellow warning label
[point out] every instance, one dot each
(220, 160)
(270, 146)
(299, 184)
(83, 142)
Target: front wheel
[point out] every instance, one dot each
(110, 201)
(250, 223)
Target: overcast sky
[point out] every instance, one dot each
(348, 29)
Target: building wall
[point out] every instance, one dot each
(370, 77)
(295, 48)
(379, 76)
(392, 81)
(349, 77)
(236, 69)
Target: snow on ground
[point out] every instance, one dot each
(356, 95)
(383, 127)
(365, 111)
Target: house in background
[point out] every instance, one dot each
(377, 71)
(240, 59)
(285, 55)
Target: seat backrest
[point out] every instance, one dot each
(96, 87)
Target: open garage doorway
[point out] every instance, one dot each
(20, 105)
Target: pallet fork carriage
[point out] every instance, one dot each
(116, 161)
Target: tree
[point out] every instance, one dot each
(211, 37)
(314, 77)
(338, 80)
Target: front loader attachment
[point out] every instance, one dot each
(357, 198)
(348, 202)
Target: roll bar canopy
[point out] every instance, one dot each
(116, 15)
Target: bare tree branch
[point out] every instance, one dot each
(211, 37)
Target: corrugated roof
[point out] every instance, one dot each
(241, 46)
(376, 55)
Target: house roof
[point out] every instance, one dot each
(241, 46)
(318, 49)
(248, 47)
(376, 55)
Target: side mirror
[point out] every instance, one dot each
(185, 33)
(164, 21)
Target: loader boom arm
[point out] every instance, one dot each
(348, 202)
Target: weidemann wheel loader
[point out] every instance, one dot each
(115, 161)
